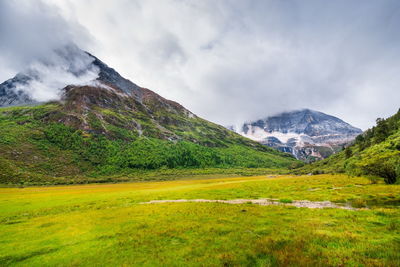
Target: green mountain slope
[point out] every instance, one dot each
(375, 153)
(99, 131)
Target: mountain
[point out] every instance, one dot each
(375, 153)
(72, 116)
(307, 134)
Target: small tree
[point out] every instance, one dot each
(348, 152)
(381, 130)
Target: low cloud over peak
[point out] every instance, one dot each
(39, 44)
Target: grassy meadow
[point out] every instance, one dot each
(106, 224)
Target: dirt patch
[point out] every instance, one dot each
(262, 202)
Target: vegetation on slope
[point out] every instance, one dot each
(375, 153)
(40, 143)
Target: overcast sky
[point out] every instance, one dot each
(228, 61)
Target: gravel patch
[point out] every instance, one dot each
(262, 202)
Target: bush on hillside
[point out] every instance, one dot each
(385, 165)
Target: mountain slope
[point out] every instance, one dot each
(375, 153)
(111, 126)
(306, 134)
(9, 93)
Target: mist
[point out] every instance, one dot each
(63, 66)
(37, 42)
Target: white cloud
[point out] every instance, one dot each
(61, 67)
(230, 60)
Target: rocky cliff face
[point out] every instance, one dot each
(308, 135)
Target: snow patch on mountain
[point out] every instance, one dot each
(258, 134)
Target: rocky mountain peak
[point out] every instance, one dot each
(306, 133)
(305, 121)
(112, 78)
(46, 79)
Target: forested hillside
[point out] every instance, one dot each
(375, 153)
(42, 144)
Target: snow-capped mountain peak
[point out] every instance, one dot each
(307, 134)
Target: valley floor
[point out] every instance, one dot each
(111, 224)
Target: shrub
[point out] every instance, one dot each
(359, 203)
(348, 152)
(385, 168)
(316, 172)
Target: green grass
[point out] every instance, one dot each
(285, 200)
(103, 225)
(138, 175)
